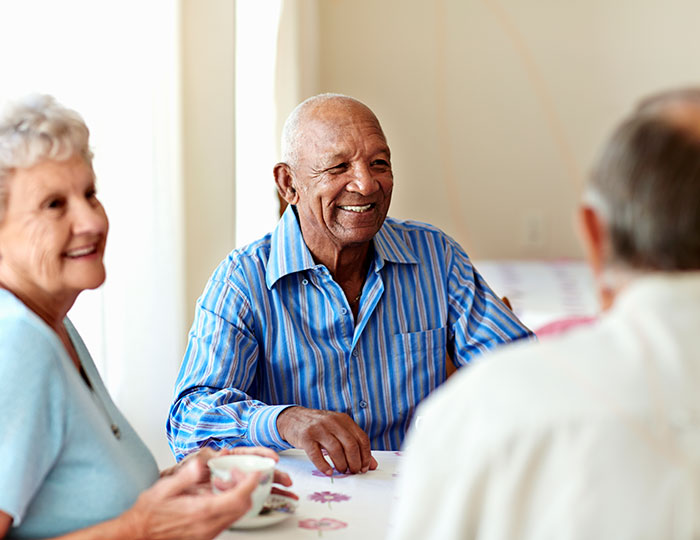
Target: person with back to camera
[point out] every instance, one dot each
(593, 434)
(71, 466)
(325, 334)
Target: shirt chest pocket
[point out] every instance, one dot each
(419, 361)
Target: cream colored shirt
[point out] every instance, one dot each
(591, 435)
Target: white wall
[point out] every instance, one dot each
(257, 210)
(495, 109)
(155, 83)
(118, 65)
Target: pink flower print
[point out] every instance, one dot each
(323, 524)
(328, 497)
(335, 474)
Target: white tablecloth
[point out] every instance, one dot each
(346, 506)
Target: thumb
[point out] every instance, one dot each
(241, 491)
(238, 498)
(182, 479)
(245, 486)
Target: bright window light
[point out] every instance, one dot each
(256, 45)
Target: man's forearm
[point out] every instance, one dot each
(200, 423)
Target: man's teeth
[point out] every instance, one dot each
(80, 252)
(363, 208)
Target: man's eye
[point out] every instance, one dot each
(339, 167)
(380, 163)
(91, 194)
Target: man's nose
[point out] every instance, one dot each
(363, 182)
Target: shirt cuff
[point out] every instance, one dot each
(262, 427)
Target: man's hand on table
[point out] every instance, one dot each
(314, 430)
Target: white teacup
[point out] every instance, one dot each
(222, 466)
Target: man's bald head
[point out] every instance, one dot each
(294, 132)
(680, 108)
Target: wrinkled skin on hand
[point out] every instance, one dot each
(203, 455)
(314, 431)
(182, 504)
(177, 507)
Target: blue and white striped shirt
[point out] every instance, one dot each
(273, 329)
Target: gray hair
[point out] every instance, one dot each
(291, 132)
(37, 128)
(646, 185)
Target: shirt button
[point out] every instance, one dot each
(363, 404)
(304, 281)
(343, 311)
(355, 353)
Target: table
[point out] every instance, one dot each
(344, 506)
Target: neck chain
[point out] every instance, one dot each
(112, 424)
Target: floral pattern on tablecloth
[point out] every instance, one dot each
(328, 497)
(323, 524)
(358, 506)
(334, 475)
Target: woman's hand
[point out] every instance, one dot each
(181, 505)
(173, 509)
(205, 454)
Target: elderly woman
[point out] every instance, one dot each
(70, 463)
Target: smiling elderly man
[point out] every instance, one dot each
(327, 333)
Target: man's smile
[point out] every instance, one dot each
(358, 209)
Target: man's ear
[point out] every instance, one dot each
(593, 232)
(284, 180)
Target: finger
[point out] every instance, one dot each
(206, 453)
(240, 492)
(234, 477)
(182, 479)
(365, 452)
(202, 455)
(351, 452)
(313, 451)
(284, 493)
(168, 471)
(256, 451)
(236, 501)
(373, 463)
(221, 484)
(336, 452)
(199, 489)
(281, 477)
(355, 442)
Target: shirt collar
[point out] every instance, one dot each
(389, 246)
(659, 289)
(289, 253)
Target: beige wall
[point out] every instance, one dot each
(494, 110)
(208, 135)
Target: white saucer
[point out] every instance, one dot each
(282, 508)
